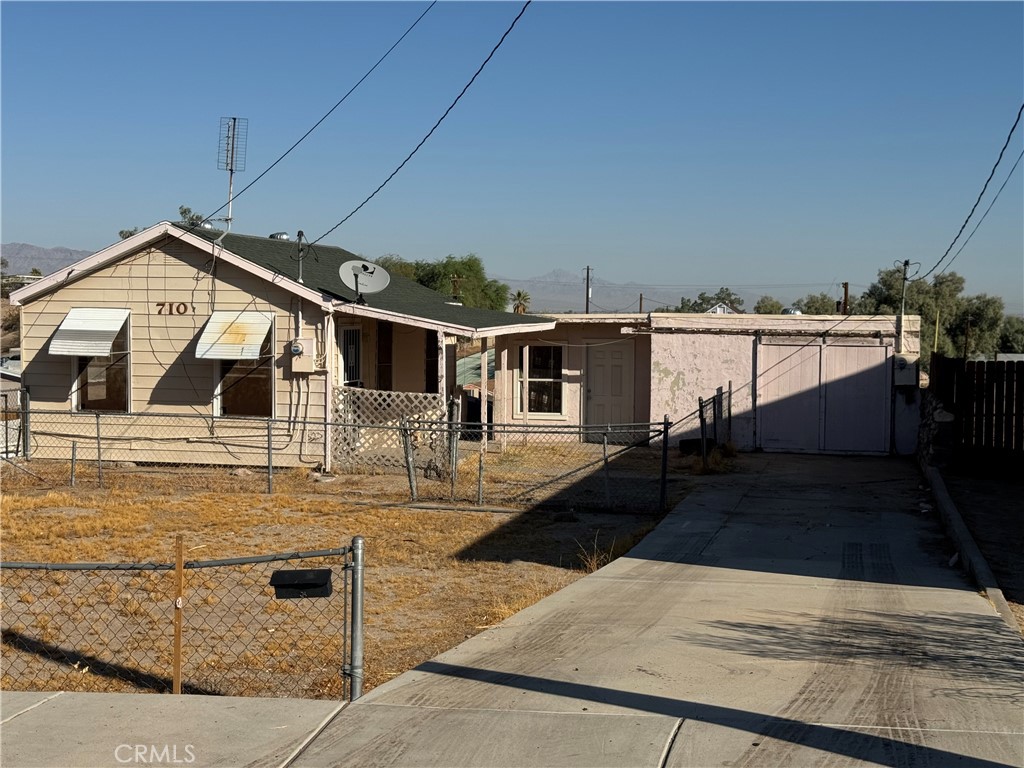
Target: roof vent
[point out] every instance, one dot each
(280, 236)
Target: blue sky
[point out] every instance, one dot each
(780, 148)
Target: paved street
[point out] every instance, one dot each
(800, 613)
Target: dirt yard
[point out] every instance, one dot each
(434, 577)
(991, 501)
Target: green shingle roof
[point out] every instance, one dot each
(320, 272)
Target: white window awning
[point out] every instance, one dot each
(88, 332)
(231, 335)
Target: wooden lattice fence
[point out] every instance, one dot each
(368, 428)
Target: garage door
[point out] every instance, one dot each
(823, 398)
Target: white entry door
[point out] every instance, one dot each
(609, 383)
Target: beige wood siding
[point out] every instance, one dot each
(166, 376)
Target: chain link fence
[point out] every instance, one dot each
(207, 627)
(605, 467)
(11, 443)
(427, 457)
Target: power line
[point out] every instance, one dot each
(669, 285)
(431, 131)
(999, 192)
(982, 194)
(321, 120)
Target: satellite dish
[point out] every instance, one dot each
(364, 277)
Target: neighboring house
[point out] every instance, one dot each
(721, 308)
(797, 382)
(225, 331)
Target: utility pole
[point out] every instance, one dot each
(903, 302)
(641, 303)
(846, 298)
(587, 303)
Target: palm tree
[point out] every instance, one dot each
(520, 302)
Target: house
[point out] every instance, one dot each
(812, 383)
(228, 334)
(721, 308)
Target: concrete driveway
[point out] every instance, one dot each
(800, 612)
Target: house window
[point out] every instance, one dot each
(247, 386)
(102, 382)
(351, 351)
(541, 381)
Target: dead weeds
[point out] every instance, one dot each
(434, 577)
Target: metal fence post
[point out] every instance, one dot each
(718, 412)
(664, 463)
(179, 592)
(74, 460)
(7, 432)
(480, 476)
(99, 452)
(410, 468)
(728, 422)
(703, 433)
(270, 456)
(26, 402)
(607, 480)
(356, 663)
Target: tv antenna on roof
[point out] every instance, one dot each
(363, 277)
(231, 154)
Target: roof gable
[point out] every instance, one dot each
(278, 261)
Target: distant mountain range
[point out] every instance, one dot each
(563, 291)
(556, 291)
(22, 258)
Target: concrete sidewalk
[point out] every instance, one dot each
(799, 613)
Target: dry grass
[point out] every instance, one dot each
(433, 578)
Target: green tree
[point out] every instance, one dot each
(186, 216)
(520, 302)
(767, 305)
(705, 301)
(816, 304)
(974, 329)
(938, 303)
(35, 272)
(462, 277)
(189, 217)
(396, 265)
(1011, 335)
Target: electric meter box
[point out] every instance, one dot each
(303, 353)
(905, 370)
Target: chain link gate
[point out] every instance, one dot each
(207, 627)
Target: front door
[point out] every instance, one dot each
(609, 383)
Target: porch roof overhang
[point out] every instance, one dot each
(453, 329)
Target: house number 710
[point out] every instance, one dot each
(169, 308)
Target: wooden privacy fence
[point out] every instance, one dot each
(986, 399)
